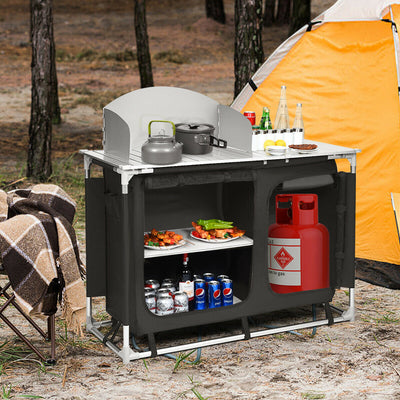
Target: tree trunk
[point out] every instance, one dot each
(301, 15)
(40, 127)
(249, 53)
(142, 45)
(283, 13)
(215, 10)
(56, 111)
(269, 12)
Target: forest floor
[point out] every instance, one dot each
(96, 63)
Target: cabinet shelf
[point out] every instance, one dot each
(197, 246)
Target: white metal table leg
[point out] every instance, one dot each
(125, 352)
(350, 313)
(89, 317)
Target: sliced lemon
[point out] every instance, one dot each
(268, 143)
(280, 142)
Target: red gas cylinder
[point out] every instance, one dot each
(298, 246)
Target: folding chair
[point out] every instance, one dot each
(50, 335)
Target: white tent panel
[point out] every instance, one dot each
(357, 10)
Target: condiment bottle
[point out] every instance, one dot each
(282, 111)
(265, 122)
(186, 283)
(298, 126)
(283, 131)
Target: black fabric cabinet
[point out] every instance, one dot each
(171, 198)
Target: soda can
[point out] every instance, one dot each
(200, 294)
(197, 276)
(220, 277)
(149, 290)
(165, 304)
(214, 294)
(150, 299)
(152, 283)
(169, 286)
(227, 292)
(208, 276)
(181, 302)
(162, 291)
(168, 280)
(251, 116)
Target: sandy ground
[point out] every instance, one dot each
(353, 360)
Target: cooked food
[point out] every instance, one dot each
(208, 224)
(303, 146)
(217, 229)
(160, 238)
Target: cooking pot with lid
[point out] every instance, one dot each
(197, 138)
(160, 148)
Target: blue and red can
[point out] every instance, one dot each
(200, 290)
(220, 277)
(226, 292)
(214, 294)
(208, 276)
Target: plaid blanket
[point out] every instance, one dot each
(40, 254)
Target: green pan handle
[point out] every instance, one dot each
(169, 122)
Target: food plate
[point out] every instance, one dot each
(305, 148)
(305, 151)
(169, 247)
(276, 150)
(214, 240)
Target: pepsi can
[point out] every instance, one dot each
(197, 276)
(226, 292)
(214, 294)
(200, 294)
(208, 276)
(220, 277)
(152, 283)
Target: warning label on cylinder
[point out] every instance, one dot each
(284, 264)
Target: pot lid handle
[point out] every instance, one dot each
(168, 122)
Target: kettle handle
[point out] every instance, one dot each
(169, 122)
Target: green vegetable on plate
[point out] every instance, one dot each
(208, 224)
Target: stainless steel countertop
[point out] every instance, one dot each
(221, 156)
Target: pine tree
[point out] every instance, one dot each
(301, 15)
(142, 45)
(283, 13)
(269, 12)
(215, 10)
(249, 53)
(43, 80)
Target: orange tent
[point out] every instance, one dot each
(344, 69)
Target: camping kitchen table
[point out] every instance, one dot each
(129, 197)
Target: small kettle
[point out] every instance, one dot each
(161, 149)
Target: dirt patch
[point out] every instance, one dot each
(352, 360)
